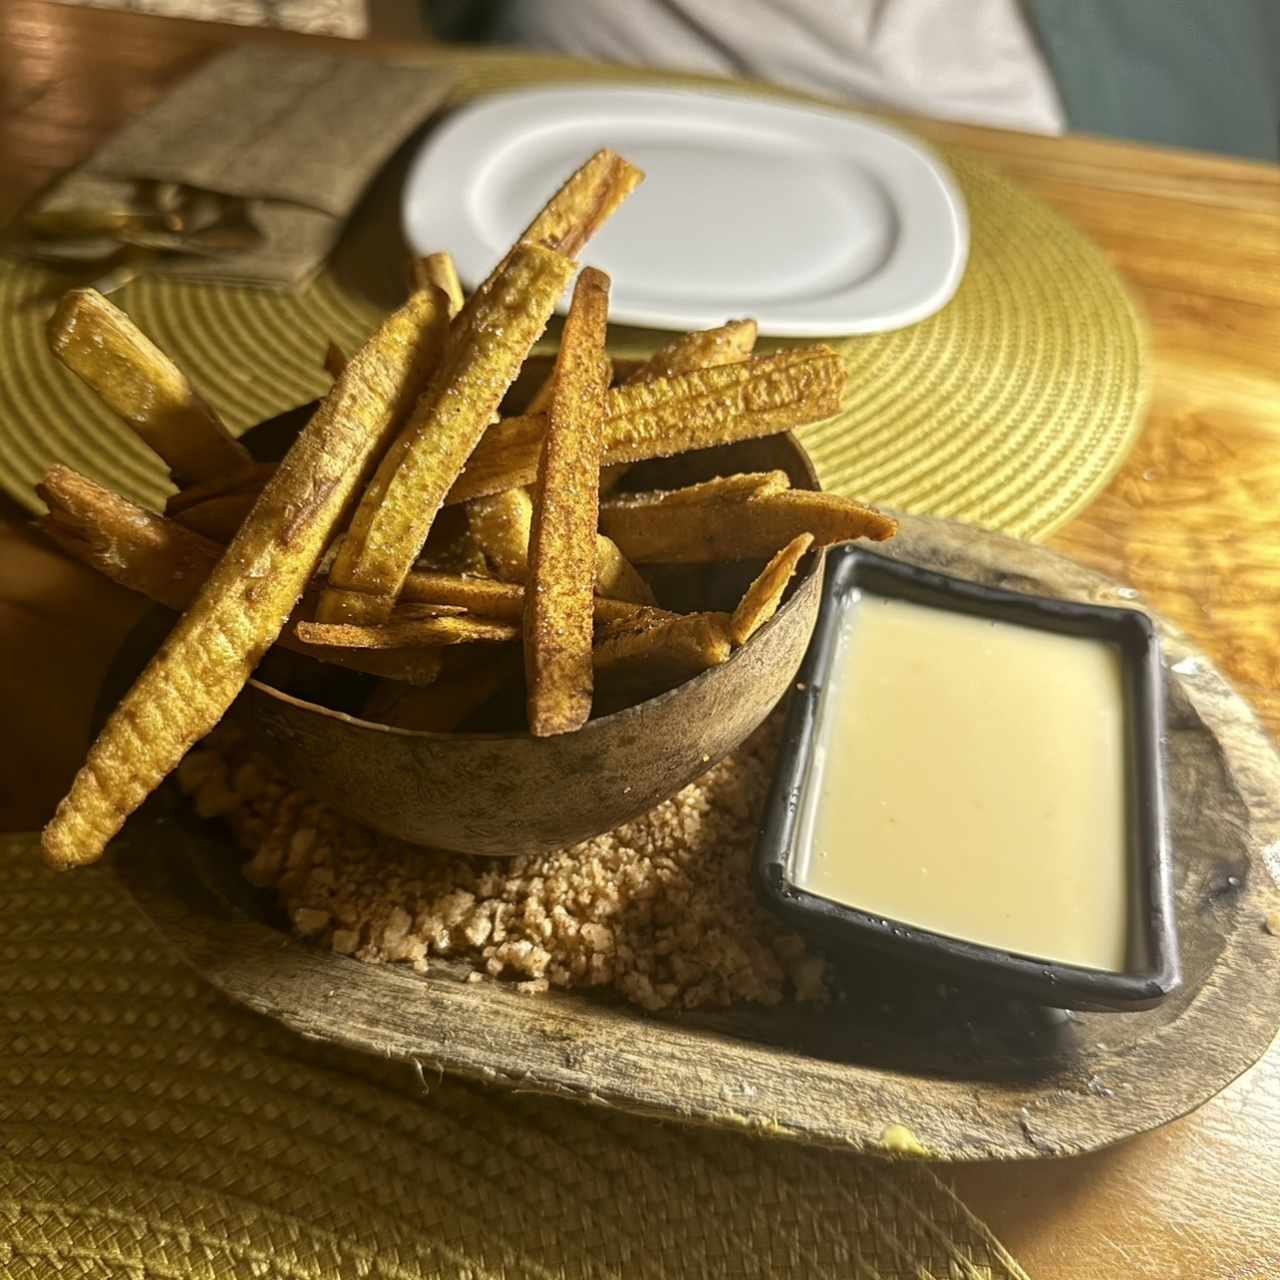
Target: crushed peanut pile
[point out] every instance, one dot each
(661, 909)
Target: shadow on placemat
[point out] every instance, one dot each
(150, 1123)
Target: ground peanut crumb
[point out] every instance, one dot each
(308, 921)
(661, 909)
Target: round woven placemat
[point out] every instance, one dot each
(1010, 408)
(150, 1128)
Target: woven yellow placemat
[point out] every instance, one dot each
(1010, 408)
(150, 1128)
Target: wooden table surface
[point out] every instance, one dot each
(1192, 520)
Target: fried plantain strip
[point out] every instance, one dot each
(568, 220)
(485, 597)
(730, 488)
(584, 204)
(219, 517)
(217, 507)
(562, 556)
(487, 343)
(702, 349)
(541, 400)
(658, 533)
(502, 523)
(247, 481)
(242, 606)
(137, 381)
(438, 269)
(755, 397)
(490, 599)
(411, 633)
(564, 224)
(762, 598)
(617, 577)
(140, 550)
(418, 611)
(651, 654)
(160, 559)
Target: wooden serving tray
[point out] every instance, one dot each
(969, 1074)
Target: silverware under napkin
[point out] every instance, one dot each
(288, 139)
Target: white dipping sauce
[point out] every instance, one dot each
(969, 778)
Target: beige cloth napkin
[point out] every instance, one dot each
(298, 135)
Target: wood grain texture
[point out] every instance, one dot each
(1195, 1199)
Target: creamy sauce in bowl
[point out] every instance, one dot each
(970, 777)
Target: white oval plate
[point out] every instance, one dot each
(813, 221)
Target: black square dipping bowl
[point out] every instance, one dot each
(1151, 970)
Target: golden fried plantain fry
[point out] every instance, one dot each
(217, 507)
(584, 204)
(660, 533)
(487, 598)
(487, 343)
(562, 547)
(568, 220)
(541, 400)
(248, 480)
(704, 407)
(762, 598)
(755, 397)
(438, 269)
(167, 563)
(617, 577)
(731, 488)
(246, 600)
(638, 658)
(411, 633)
(484, 597)
(501, 524)
(136, 380)
(219, 517)
(702, 349)
(140, 550)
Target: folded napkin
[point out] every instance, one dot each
(296, 135)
